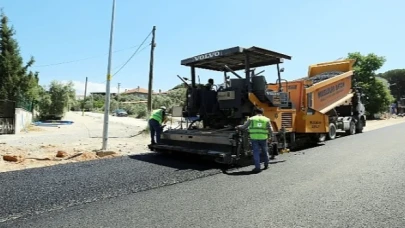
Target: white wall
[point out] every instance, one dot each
(23, 119)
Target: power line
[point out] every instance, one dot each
(133, 54)
(130, 59)
(79, 60)
(122, 67)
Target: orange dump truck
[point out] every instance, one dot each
(319, 105)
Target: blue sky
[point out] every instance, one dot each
(312, 31)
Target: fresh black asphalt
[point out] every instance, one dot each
(37, 190)
(355, 181)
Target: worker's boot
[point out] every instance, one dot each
(255, 170)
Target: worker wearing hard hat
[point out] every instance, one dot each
(157, 118)
(260, 132)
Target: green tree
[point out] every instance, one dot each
(57, 99)
(88, 103)
(397, 80)
(366, 65)
(379, 95)
(44, 103)
(16, 81)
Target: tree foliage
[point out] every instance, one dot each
(56, 99)
(366, 65)
(379, 96)
(17, 83)
(396, 78)
(134, 105)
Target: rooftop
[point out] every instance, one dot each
(141, 91)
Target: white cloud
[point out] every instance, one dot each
(94, 87)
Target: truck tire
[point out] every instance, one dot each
(352, 128)
(332, 131)
(316, 138)
(360, 126)
(321, 137)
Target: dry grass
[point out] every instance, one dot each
(31, 128)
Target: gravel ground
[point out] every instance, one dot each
(354, 181)
(41, 144)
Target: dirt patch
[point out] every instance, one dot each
(17, 158)
(377, 124)
(86, 156)
(33, 128)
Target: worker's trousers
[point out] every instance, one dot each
(155, 130)
(260, 146)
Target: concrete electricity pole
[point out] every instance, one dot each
(84, 99)
(107, 87)
(118, 94)
(152, 49)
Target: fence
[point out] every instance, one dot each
(7, 117)
(25, 104)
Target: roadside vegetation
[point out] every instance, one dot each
(133, 105)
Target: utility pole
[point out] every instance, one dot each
(107, 87)
(152, 49)
(84, 99)
(118, 94)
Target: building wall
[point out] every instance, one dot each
(23, 119)
(141, 95)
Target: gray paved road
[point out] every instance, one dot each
(356, 181)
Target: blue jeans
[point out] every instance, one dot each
(155, 130)
(260, 145)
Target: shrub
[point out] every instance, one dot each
(175, 97)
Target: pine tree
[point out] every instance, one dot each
(16, 82)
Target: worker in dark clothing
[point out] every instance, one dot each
(260, 132)
(210, 84)
(156, 119)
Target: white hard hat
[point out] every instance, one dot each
(163, 107)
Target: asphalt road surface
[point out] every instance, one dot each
(356, 181)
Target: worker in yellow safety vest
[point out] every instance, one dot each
(260, 132)
(156, 119)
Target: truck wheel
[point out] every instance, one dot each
(316, 138)
(321, 137)
(332, 131)
(352, 128)
(360, 127)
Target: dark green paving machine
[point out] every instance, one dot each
(220, 110)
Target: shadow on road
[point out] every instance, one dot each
(178, 161)
(306, 147)
(182, 161)
(232, 172)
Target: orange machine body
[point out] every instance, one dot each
(311, 102)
